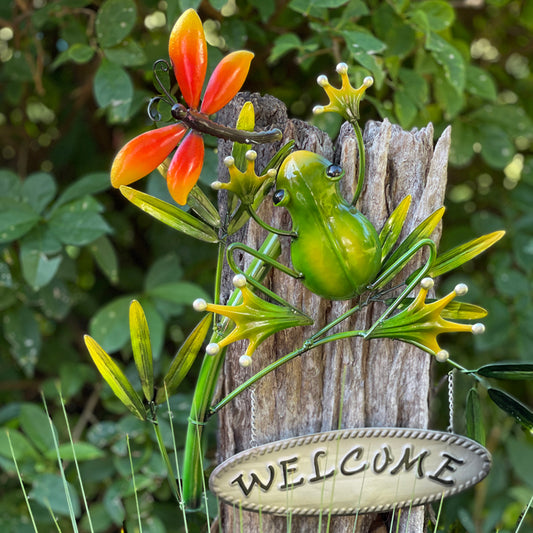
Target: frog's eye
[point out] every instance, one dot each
(281, 197)
(334, 172)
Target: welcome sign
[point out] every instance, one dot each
(351, 471)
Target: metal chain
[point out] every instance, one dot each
(451, 376)
(253, 434)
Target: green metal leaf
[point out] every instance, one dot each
(422, 231)
(170, 215)
(463, 253)
(474, 422)
(393, 227)
(513, 407)
(184, 359)
(246, 122)
(463, 311)
(115, 378)
(202, 206)
(142, 349)
(510, 371)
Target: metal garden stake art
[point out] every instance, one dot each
(336, 253)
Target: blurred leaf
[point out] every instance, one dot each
(178, 292)
(109, 326)
(142, 349)
(49, 491)
(404, 107)
(83, 451)
(38, 190)
(282, 45)
(106, 257)
(512, 407)
(520, 455)
(464, 136)
(512, 283)
(89, 184)
(37, 268)
(36, 425)
(41, 239)
(78, 222)
(183, 360)
(463, 253)
(497, 148)
(114, 21)
(363, 47)
(17, 69)
(480, 83)
(113, 89)
(399, 37)
(128, 54)
(6, 280)
(115, 378)
(10, 185)
(438, 15)
(21, 331)
(79, 53)
(16, 219)
(22, 447)
(55, 300)
(449, 58)
(474, 421)
(510, 371)
(166, 269)
(393, 226)
(170, 215)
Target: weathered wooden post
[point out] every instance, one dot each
(350, 383)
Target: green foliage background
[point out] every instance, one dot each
(76, 76)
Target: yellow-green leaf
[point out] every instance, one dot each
(393, 227)
(115, 378)
(463, 253)
(142, 348)
(421, 232)
(463, 311)
(170, 215)
(184, 359)
(203, 207)
(246, 122)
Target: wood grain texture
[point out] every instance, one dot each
(372, 383)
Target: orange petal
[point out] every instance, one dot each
(185, 167)
(144, 154)
(188, 53)
(226, 81)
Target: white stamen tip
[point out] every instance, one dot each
(239, 281)
(199, 304)
(442, 356)
(318, 110)
(212, 348)
(271, 173)
(342, 68)
(427, 283)
(478, 329)
(368, 81)
(251, 155)
(216, 185)
(245, 361)
(229, 161)
(461, 289)
(322, 80)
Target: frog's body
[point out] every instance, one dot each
(337, 250)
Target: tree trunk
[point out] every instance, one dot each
(372, 383)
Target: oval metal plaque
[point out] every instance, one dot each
(351, 471)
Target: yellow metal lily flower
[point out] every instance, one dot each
(421, 323)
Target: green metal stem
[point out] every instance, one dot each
(205, 388)
(362, 160)
(284, 233)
